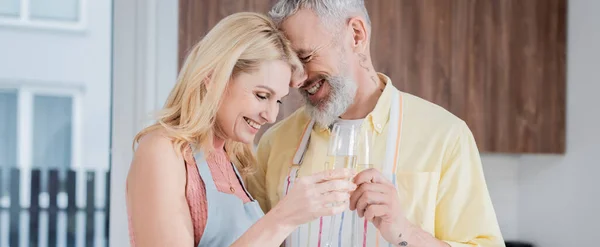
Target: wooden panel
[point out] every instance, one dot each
(411, 45)
(497, 64)
(197, 17)
(508, 73)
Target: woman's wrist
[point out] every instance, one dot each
(277, 216)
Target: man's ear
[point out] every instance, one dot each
(360, 35)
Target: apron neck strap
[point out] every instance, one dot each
(303, 145)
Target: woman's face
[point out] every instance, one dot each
(253, 99)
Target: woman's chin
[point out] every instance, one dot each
(246, 138)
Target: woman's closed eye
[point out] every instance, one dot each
(261, 96)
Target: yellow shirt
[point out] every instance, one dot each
(439, 175)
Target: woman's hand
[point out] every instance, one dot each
(321, 194)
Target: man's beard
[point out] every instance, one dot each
(340, 97)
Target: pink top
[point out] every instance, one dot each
(222, 173)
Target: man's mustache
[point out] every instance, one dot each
(316, 78)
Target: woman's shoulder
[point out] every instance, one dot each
(156, 156)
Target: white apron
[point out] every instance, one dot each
(316, 232)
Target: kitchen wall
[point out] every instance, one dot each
(552, 200)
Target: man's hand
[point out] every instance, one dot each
(376, 199)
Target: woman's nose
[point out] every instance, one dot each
(270, 114)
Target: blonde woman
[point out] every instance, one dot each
(183, 188)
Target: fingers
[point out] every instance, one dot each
(367, 199)
(375, 211)
(335, 198)
(339, 174)
(368, 188)
(335, 185)
(370, 176)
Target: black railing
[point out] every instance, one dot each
(54, 215)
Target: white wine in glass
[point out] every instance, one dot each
(342, 146)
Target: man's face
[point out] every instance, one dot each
(330, 87)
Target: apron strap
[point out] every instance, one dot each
(241, 181)
(205, 173)
(302, 146)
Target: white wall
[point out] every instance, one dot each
(559, 200)
(501, 173)
(553, 200)
(79, 60)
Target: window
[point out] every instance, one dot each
(41, 122)
(62, 10)
(10, 8)
(8, 136)
(8, 128)
(40, 171)
(55, 14)
(52, 120)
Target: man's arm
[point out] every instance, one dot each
(465, 215)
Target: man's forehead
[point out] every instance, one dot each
(305, 31)
(307, 42)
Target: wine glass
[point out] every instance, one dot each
(364, 160)
(342, 153)
(342, 150)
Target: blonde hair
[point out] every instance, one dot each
(237, 44)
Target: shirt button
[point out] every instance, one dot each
(378, 126)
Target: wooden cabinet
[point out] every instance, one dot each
(497, 64)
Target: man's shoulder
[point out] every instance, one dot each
(418, 109)
(286, 129)
(428, 120)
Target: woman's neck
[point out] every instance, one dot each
(218, 156)
(218, 143)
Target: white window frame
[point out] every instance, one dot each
(24, 19)
(25, 118)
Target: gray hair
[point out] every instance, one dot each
(331, 12)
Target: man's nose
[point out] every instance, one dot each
(298, 81)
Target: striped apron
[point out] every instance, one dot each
(317, 232)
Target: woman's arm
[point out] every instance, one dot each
(158, 210)
(306, 201)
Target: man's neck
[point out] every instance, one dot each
(366, 98)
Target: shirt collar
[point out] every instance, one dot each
(380, 114)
